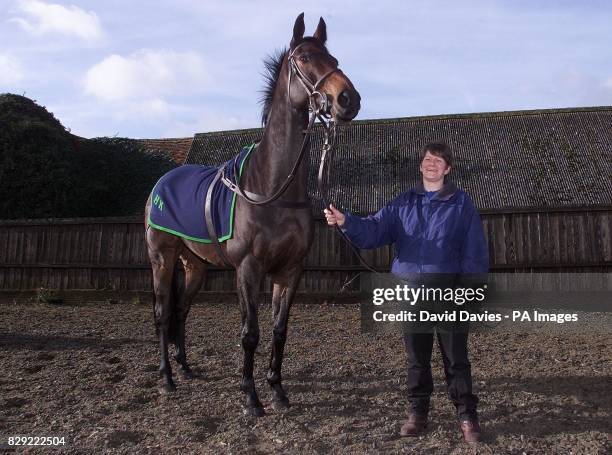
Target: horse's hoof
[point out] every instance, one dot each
(253, 411)
(281, 405)
(167, 388)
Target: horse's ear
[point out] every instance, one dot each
(321, 31)
(298, 30)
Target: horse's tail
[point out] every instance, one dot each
(176, 291)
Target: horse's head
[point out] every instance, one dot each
(314, 76)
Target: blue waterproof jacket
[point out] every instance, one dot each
(439, 235)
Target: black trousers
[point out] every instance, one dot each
(457, 368)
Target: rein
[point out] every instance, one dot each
(319, 107)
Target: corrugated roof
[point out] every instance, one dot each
(176, 148)
(523, 159)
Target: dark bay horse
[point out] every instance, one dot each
(269, 239)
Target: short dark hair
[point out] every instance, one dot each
(439, 149)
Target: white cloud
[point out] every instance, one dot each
(10, 70)
(482, 56)
(146, 77)
(46, 18)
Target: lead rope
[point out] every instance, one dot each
(329, 146)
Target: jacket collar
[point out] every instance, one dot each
(444, 194)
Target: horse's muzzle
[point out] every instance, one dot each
(347, 105)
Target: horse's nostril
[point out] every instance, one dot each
(344, 99)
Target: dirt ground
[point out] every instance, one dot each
(89, 373)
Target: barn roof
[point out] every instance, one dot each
(176, 148)
(550, 158)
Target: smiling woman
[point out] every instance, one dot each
(438, 236)
(436, 162)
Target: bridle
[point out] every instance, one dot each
(317, 101)
(319, 108)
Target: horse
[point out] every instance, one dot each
(269, 238)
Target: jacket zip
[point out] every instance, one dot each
(426, 204)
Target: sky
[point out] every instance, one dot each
(173, 68)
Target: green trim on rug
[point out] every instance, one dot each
(195, 239)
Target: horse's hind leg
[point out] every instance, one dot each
(163, 261)
(249, 275)
(282, 297)
(195, 269)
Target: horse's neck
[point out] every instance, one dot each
(277, 152)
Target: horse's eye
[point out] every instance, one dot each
(304, 58)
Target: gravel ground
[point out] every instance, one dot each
(89, 373)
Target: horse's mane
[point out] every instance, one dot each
(272, 66)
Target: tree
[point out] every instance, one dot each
(47, 172)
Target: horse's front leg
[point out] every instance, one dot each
(282, 297)
(249, 275)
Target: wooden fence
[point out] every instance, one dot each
(109, 254)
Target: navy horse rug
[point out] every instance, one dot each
(178, 200)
